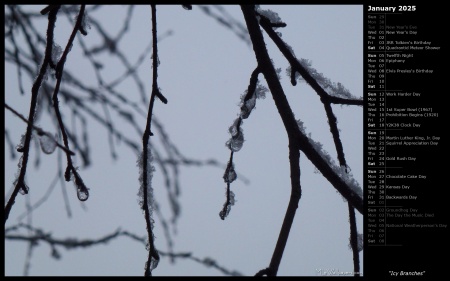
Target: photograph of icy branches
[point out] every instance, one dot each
(115, 123)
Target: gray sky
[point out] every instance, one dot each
(204, 70)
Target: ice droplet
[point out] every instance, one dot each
(56, 52)
(83, 194)
(24, 189)
(48, 143)
(235, 144)
(82, 190)
(155, 262)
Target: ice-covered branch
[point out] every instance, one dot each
(287, 115)
(337, 92)
(248, 102)
(329, 93)
(20, 185)
(146, 169)
(71, 171)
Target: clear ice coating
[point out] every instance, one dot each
(148, 187)
(48, 144)
(235, 143)
(230, 174)
(237, 136)
(149, 174)
(226, 210)
(247, 107)
(154, 263)
(56, 52)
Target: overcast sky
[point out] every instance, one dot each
(204, 69)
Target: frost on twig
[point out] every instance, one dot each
(273, 17)
(23, 186)
(360, 242)
(342, 171)
(254, 91)
(149, 173)
(332, 88)
(146, 202)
